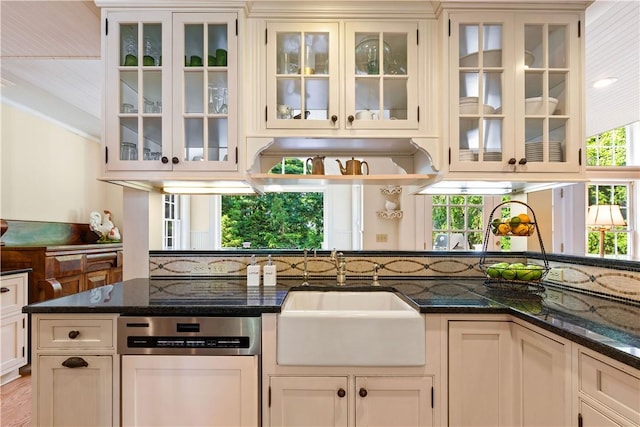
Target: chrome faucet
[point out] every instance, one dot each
(305, 273)
(375, 275)
(341, 267)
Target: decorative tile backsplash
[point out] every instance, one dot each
(623, 284)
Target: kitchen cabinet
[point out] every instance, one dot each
(73, 365)
(13, 296)
(65, 269)
(173, 80)
(324, 400)
(515, 92)
(318, 401)
(542, 378)
(608, 392)
(501, 373)
(377, 88)
(204, 390)
(480, 374)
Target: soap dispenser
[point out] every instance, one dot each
(270, 273)
(253, 272)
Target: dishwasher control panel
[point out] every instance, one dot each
(189, 335)
(195, 342)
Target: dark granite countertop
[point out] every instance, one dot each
(605, 325)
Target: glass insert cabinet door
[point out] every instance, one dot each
(479, 64)
(205, 91)
(381, 75)
(302, 69)
(547, 101)
(138, 90)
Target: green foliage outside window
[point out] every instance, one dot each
(608, 148)
(458, 214)
(274, 220)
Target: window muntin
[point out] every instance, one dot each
(457, 221)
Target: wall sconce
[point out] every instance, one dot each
(604, 217)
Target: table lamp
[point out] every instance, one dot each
(604, 217)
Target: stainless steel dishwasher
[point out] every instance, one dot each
(189, 371)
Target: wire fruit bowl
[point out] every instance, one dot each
(515, 277)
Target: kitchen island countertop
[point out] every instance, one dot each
(608, 326)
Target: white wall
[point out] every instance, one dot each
(48, 173)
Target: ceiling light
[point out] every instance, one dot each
(222, 187)
(468, 187)
(604, 82)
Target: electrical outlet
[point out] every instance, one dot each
(218, 268)
(553, 296)
(200, 268)
(382, 238)
(554, 275)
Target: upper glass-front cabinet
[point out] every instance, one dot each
(302, 64)
(516, 105)
(176, 100)
(381, 75)
(367, 81)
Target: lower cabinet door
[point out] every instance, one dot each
(480, 374)
(74, 391)
(543, 380)
(308, 401)
(589, 416)
(393, 401)
(190, 391)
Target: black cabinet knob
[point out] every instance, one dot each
(341, 392)
(334, 119)
(362, 392)
(175, 160)
(351, 119)
(74, 334)
(512, 161)
(523, 161)
(164, 159)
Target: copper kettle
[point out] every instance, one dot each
(354, 167)
(315, 165)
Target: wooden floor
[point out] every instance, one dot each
(15, 407)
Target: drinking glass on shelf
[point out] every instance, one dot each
(217, 100)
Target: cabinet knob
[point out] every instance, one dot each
(175, 160)
(75, 362)
(341, 392)
(362, 392)
(3, 290)
(351, 118)
(74, 334)
(334, 119)
(164, 159)
(523, 161)
(512, 161)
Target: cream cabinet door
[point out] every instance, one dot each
(589, 416)
(543, 382)
(480, 374)
(393, 401)
(190, 391)
(72, 394)
(308, 401)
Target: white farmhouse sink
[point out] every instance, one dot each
(344, 328)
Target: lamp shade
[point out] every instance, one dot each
(605, 215)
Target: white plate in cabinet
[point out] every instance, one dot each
(75, 334)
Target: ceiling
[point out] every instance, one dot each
(50, 61)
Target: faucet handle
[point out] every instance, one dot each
(375, 275)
